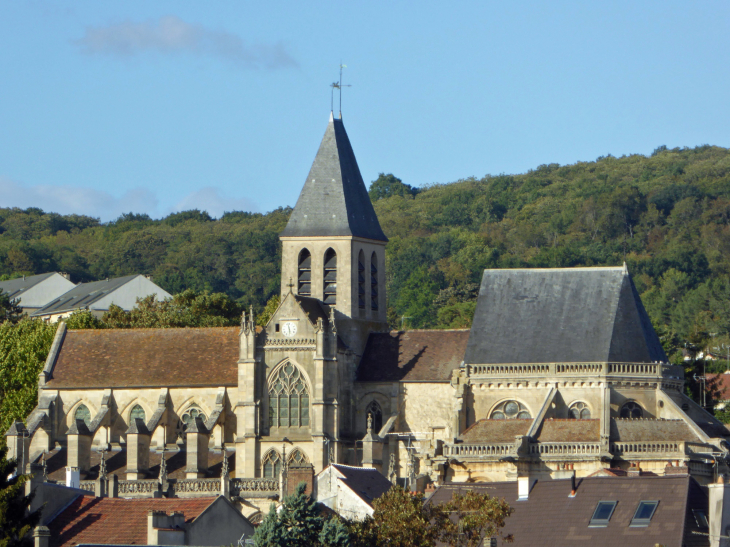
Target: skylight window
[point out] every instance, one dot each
(700, 518)
(602, 514)
(644, 512)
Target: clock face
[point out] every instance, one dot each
(289, 329)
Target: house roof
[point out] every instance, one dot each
(412, 356)
(719, 383)
(334, 200)
(561, 315)
(367, 484)
(115, 358)
(627, 430)
(15, 287)
(495, 431)
(115, 520)
(550, 517)
(579, 431)
(83, 295)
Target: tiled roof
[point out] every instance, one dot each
(495, 431)
(114, 520)
(579, 431)
(115, 358)
(651, 430)
(719, 383)
(116, 464)
(551, 518)
(561, 315)
(367, 484)
(412, 356)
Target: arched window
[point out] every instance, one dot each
(187, 418)
(296, 457)
(330, 277)
(82, 413)
(374, 282)
(271, 464)
(304, 276)
(510, 410)
(137, 412)
(361, 281)
(288, 398)
(632, 410)
(374, 410)
(580, 411)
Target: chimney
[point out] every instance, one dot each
(73, 477)
(524, 485)
(66, 276)
(634, 470)
(573, 487)
(719, 511)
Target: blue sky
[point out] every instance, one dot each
(107, 107)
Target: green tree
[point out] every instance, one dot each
(9, 309)
(472, 518)
(415, 300)
(83, 319)
(16, 522)
(271, 306)
(386, 186)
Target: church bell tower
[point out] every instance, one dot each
(333, 248)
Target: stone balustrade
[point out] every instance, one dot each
(518, 370)
(636, 449)
(480, 450)
(563, 449)
(245, 488)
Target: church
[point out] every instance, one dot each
(560, 374)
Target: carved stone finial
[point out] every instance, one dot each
(370, 422)
(102, 466)
(331, 454)
(225, 470)
(243, 319)
(45, 468)
(333, 327)
(319, 326)
(391, 469)
(251, 317)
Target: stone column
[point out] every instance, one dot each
(41, 536)
(78, 441)
(138, 450)
(372, 449)
(197, 437)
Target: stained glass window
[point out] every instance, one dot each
(82, 413)
(296, 457)
(511, 410)
(632, 410)
(137, 412)
(580, 411)
(272, 464)
(288, 399)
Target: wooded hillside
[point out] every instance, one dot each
(667, 216)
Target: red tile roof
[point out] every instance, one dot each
(495, 431)
(579, 431)
(412, 356)
(115, 358)
(115, 521)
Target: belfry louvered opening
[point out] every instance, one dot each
(304, 279)
(374, 283)
(361, 281)
(330, 277)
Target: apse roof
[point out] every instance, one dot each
(561, 315)
(334, 201)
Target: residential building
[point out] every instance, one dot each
(35, 291)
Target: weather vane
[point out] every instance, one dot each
(338, 85)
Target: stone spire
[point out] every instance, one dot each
(334, 200)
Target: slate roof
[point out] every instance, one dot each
(561, 315)
(549, 517)
(334, 200)
(412, 356)
(83, 295)
(15, 287)
(367, 484)
(628, 430)
(115, 358)
(115, 520)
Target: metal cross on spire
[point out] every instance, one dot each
(338, 85)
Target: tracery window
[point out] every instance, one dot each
(296, 457)
(330, 277)
(374, 282)
(271, 464)
(632, 410)
(304, 275)
(510, 410)
(580, 411)
(288, 398)
(373, 409)
(361, 281)
(137, 412)
(82, 413)
(187, 418)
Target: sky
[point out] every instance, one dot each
(157, 107)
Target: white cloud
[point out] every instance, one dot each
(210, 199)
(96, 203)
(76, 200)
(170, 34)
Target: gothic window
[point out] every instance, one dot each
(137, 412)
(632, 410)
(330, 277)
(296, 457)
(304, 276)
(373, 409)
(271, 464)
(374, 282)
(510, 410)
(580, 411)
(187, 418)
(288, 398)
(82, 413)
(361, 281)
